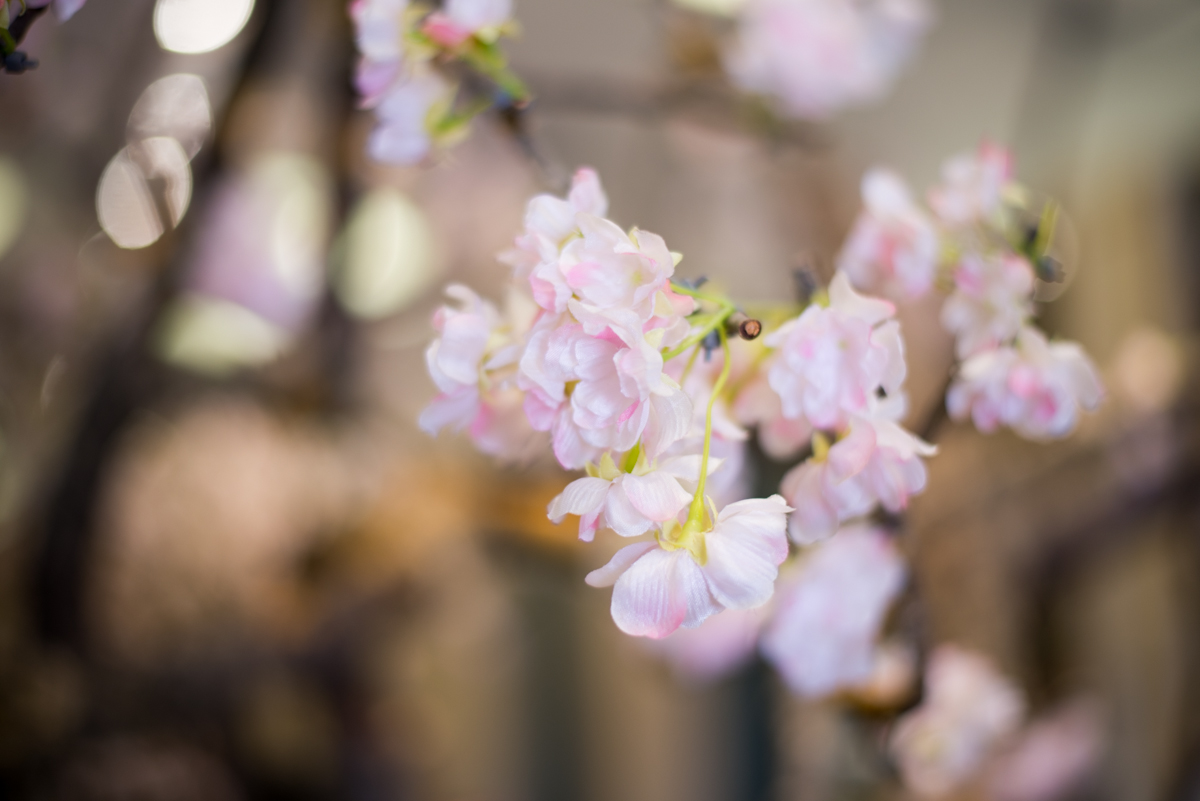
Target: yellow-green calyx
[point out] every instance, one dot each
(820, 446)
(687, 537)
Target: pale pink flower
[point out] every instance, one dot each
(1053, 756)
(716, 648)
(630, 503)
(403, 134)
(832, 360)
(619, 392)
(894, 246)
(610, 269)
(822, 636)
(1035, 387)
(473, 363)
(818, 56)
(875, 462)
(549, 223)
(992, 299)
(379, 36)
(676, 580)
(973, 185)
(968, 711)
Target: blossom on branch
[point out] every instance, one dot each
(1034, 386)
(822, 636)
(992, 299)
(833, 359)
(894, 246)
(683, 576)
(816, 57)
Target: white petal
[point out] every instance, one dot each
(622, 559)
(843, 298)
(580, 497)
(656, 495)
(655, 595)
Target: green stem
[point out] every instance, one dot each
(717, 321)
(695, 520)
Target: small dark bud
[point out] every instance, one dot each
(1050, 270)
(750, 329)
(17, 62)
(711, 343)
(806, 284)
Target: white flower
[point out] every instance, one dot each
(831, 361)
(629, 502)
(973, 186)
(1035, 387)
(473, 364)
(823, 634)
(992, 299)
(549, 223)
(403, 134)
(894, 246)
(817, 56)
(875, 462)
(967, 711)
(680, 579)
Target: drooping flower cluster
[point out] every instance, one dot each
(633, 376)
(599, 366)
(815, 57)
(409, 57)
(976, 239)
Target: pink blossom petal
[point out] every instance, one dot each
(656, 495)
(606, 576)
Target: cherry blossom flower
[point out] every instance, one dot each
(827, 618)
(894, 246)
(379, 36)
(992, 299)
(832, 359)
(1035, 387)
(629, 502)
(681, 578)
(968, 710)
(875, 462)
(618, 392)
(405, 112)
(818, 56)
(549, 223)
(973, 186)
(473, 364)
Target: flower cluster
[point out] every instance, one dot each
(975, 238)
(816, 57)
(411, 60)
(633, 376)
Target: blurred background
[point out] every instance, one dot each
(231, 567)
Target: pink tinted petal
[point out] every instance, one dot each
(656, 495)
(621, 516)
(648, 599)
(842, 297)
(580, 497)
(850, 455)
(456, 410)
(606, 576)
(586, 193)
